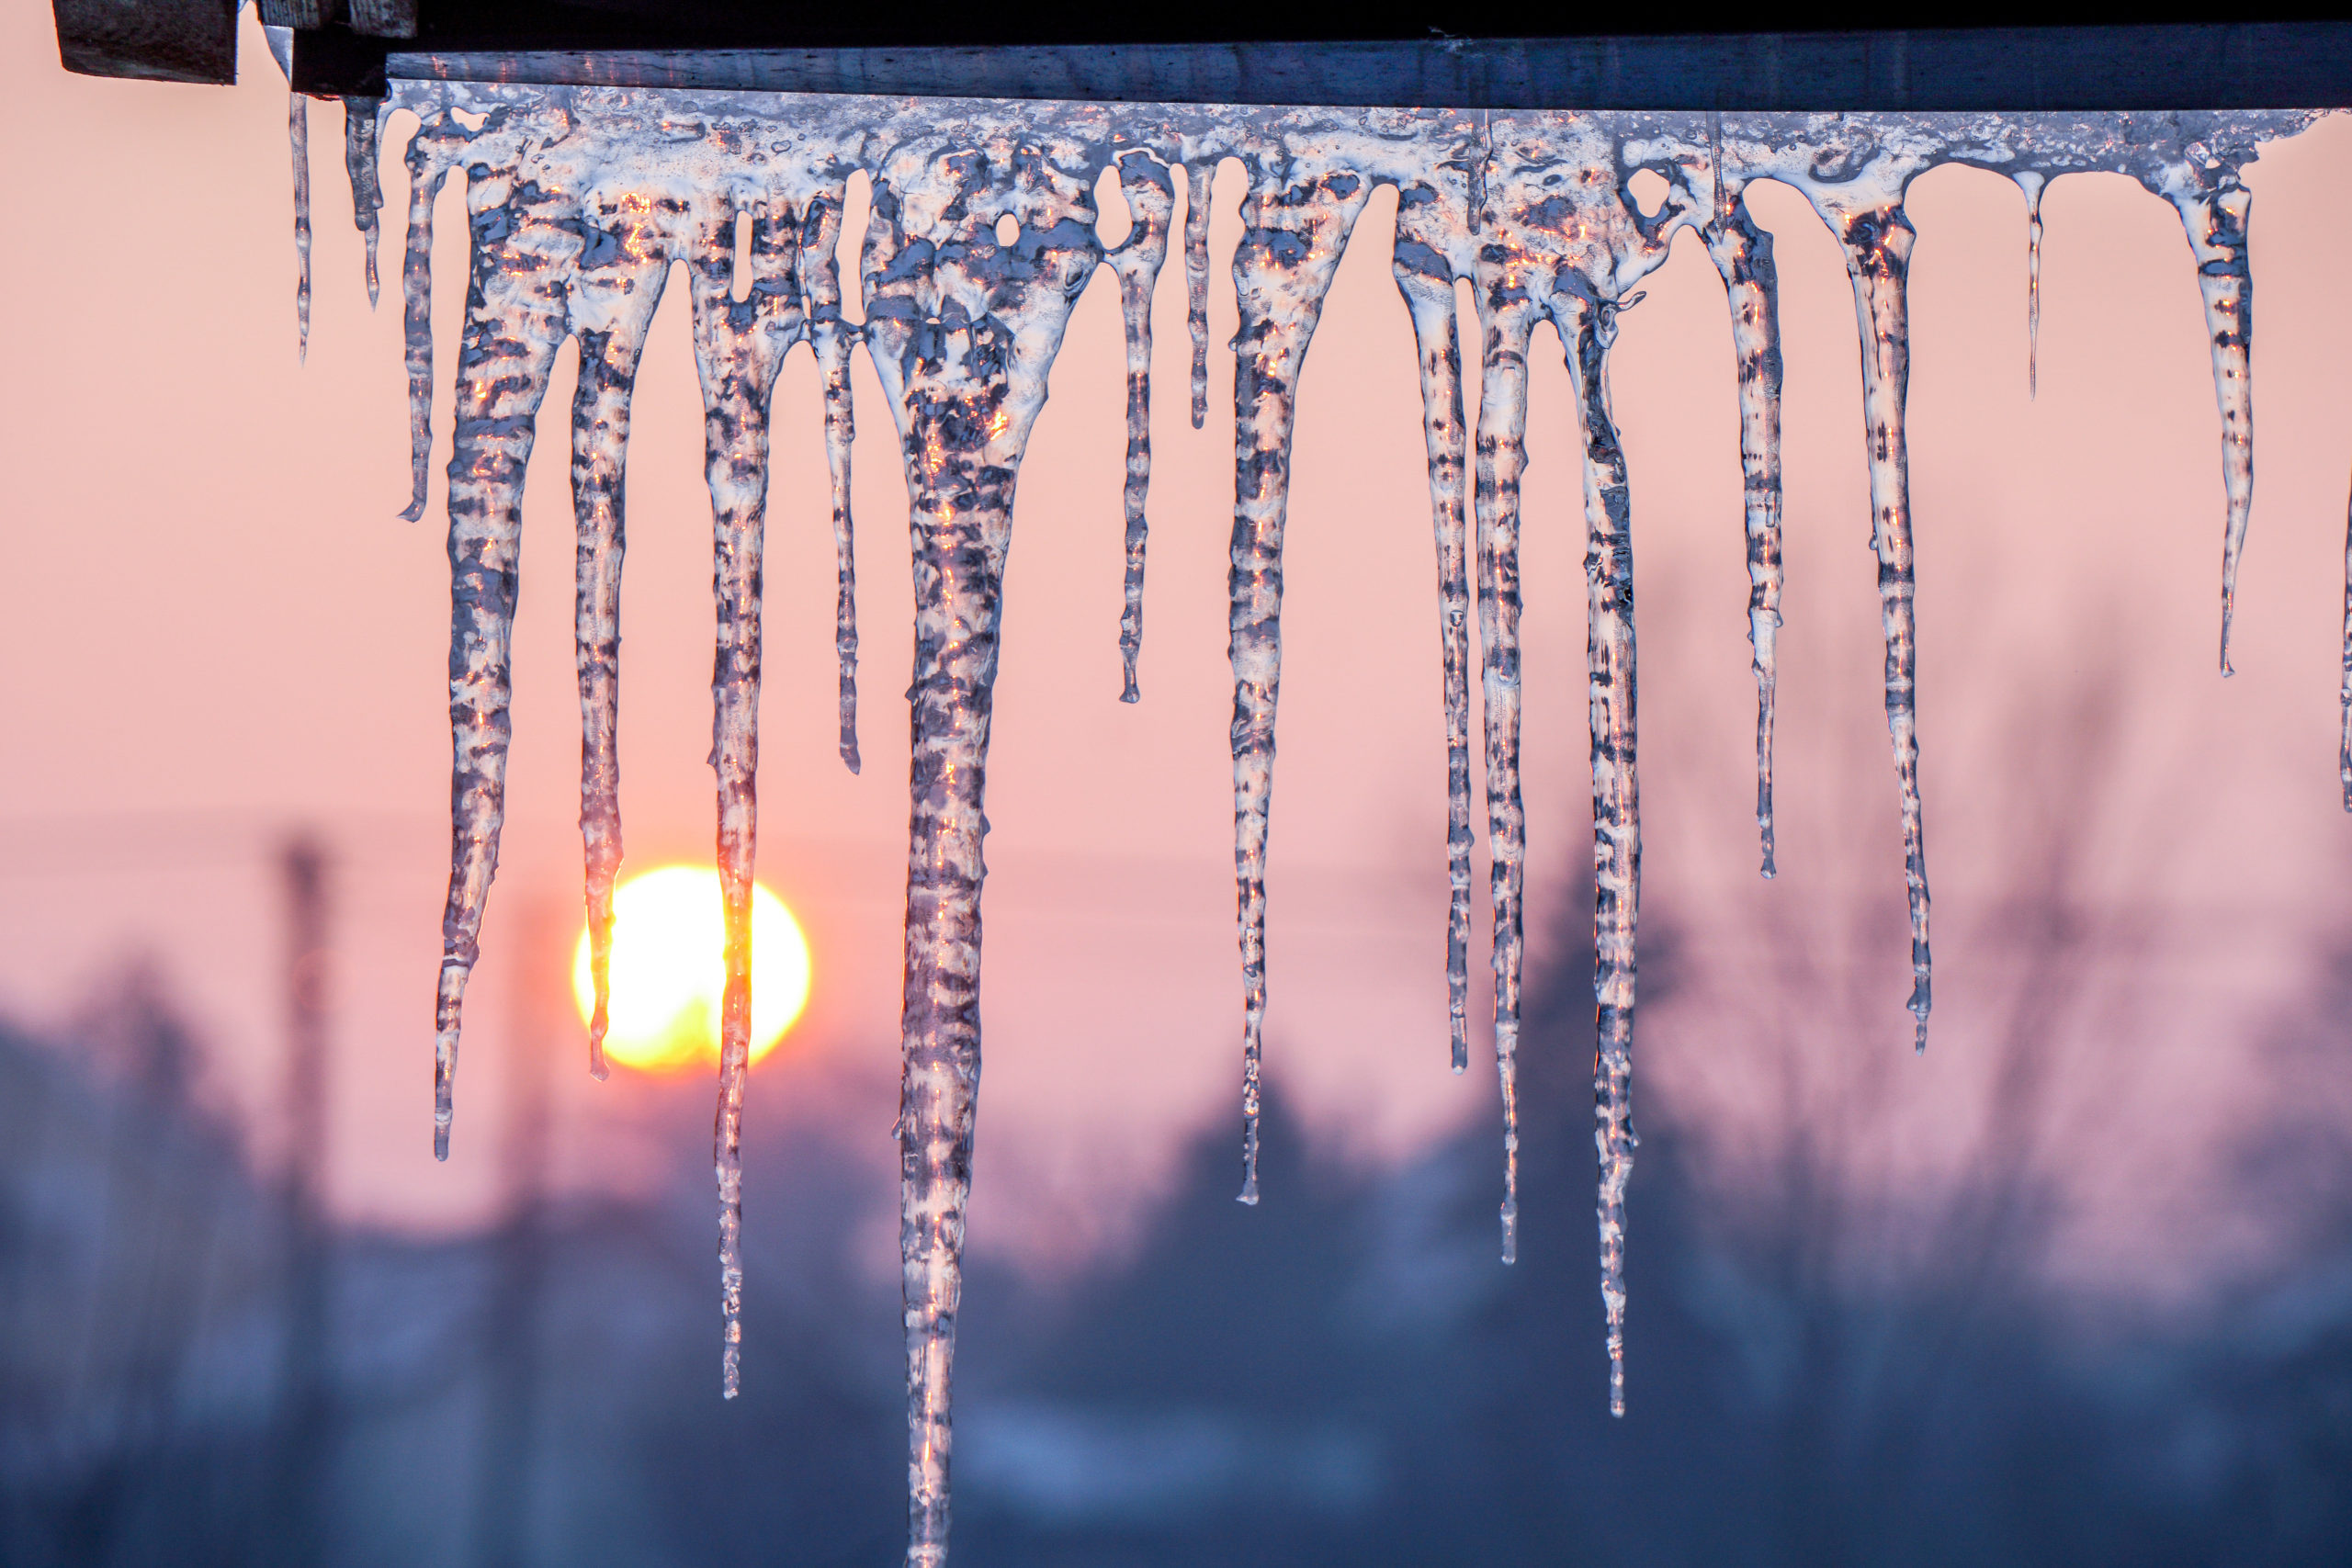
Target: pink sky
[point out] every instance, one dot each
(214, 628)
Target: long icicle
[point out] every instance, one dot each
(514, 322)
(1199, 185)
(1509, 319)
(2215, 222)
(1616, 804)
(1151, 202)
(1425, 281)
(960, 524)
(833, 337)
(298, 136)
(1742, 256)
(362, 131)
(739, 345)
(619, 288)
(961, 329)
(1877, 241)
(1291, 242)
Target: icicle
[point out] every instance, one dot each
(1292, 238)
(2215, 219)
(1878, 242)
(297, 133)
(1567, 249)
(1425, 278)
(1151, 201)
(1753, 290)
(361, 130)
(1743, 255)
(1199, 185)
(428, 166)
(2032, 183)
(2344, 760)
(514, 322)
(1509, 317)
(832, 338)
(961, 329)
(739, 345)
(612, 304)
(1616, 804)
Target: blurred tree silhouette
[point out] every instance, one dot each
(1829, 1363)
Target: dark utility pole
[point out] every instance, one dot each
(507, 1473)
(306, 1414)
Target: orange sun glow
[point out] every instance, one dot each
(670, 970)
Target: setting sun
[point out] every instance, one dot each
(668, 969)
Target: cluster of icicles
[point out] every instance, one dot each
(982, 236)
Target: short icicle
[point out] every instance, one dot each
(1293, 234)
(430, 154)
(1616, 803)
(833, 337)
(1742, 256)
(1151, 201)
(613, 301)
(298, 135)
(2034, 183)
(362, 131)
(738, 346)
(2215, 221)
(1200, 182)
(2344, 757)
(1878, 240)
(1426, 279)
(514, 322)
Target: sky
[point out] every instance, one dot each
(215, 631)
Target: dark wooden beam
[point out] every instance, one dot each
(155, 41)
(2214, 65)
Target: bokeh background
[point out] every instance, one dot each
(2076, 1286)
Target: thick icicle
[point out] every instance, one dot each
(2032, 183)
(962, 328)
(1293, 234)
(298, 135)
(612, 304)
(738, 346)
(1426, 223)
(514, 322)
(1616, 804)
(361, 130)
(833, 337)
(1743, 255)
(429, 156)
(1200, 183)
(1151, 201)
(2215, 219)
(1877, 241)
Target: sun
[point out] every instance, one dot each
(669, 969)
